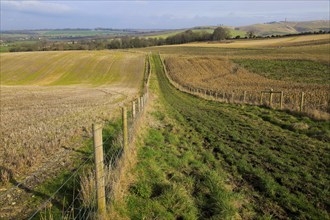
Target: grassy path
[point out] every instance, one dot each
(213, 160)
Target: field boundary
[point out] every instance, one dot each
(266, 98)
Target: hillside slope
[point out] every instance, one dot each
(208, 29)
(282, 27)
(71, 68)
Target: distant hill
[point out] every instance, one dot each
(208, 29)
(283, 27)
(267, 29)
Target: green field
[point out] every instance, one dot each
(201, 159)
(71, 67)
(302, 71)
(164, 34)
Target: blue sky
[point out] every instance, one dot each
(37, 14)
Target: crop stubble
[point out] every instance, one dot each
(39, 121)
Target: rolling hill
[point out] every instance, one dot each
(267, 29)
(208, 29)
(282, 27)
(71, 68)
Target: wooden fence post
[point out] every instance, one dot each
(244, 96)
(270, 97)
(99, 169)
(281, 100)
(261, 98)
(302, 101)
(232, 97)
(125, 130)
(139, 104)
(133, 109)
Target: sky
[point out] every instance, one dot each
(40, 14)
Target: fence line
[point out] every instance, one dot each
(266, 97)
(103, 162)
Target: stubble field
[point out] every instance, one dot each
(49, 101)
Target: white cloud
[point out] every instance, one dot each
(34, 6)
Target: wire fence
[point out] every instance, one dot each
(301, 102)
(76, 197)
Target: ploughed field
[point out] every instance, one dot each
(49, 101)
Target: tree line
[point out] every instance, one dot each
(126, 42)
